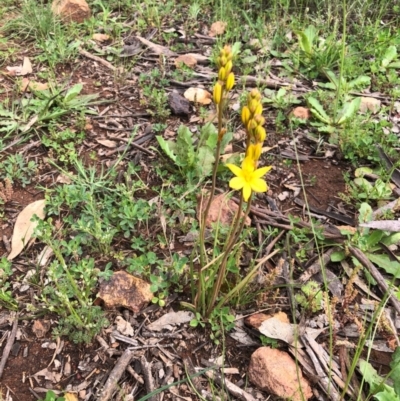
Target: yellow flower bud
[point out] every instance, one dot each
(253, 106)
(222, 61)
(260, 134)
(259, 109)
(228, 66)
(227, 50)
(230, 81)
(217, 93)
(245, 115)
(222, 74)
(254, 151)
(252, 125)
(255, 94)
(259, 119)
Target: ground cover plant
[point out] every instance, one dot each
(198, 196)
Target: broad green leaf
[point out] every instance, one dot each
(389, 56)
(184, 148)
(361, 81)
(395, 373)
(361, 171)
(205, 161)
(225, 140)
(391, 239)
(166, 148)
(365, 213)
(338, 256)
(318, 110)
(73, 93)
(249, 59)
(363, 183)
(395, 64)
(236, 48)
(281, 93)
(349, 110)
(390, 266)
(306, 39)
(387, 394)
(370, 375)
(373, 238)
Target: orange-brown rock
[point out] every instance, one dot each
(256, 319)
(125, 290)
(275, 372)
(71, 10)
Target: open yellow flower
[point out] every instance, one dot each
(248, 179)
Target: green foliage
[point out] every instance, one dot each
(15, 168)
(6, 298)
(194, 162)
(50, 396)
(44, 107)
(378, 387)
(311, 297)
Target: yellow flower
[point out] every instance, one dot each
(248, 178)
(245, 115)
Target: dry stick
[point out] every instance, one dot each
(148, 378)
(317, 266)
(384, 287)
(232, 388)
(115, 375)
(324, 382)
(98, 59)
(10, 342)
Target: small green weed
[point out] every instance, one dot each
(17, 170)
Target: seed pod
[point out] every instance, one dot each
(217, 93)
(230, 81)
(245, 115)
(222, 74)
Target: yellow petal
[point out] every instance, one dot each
(246, 192)
(260, 172)
(237, 183)
(259, 185)
(235, 169)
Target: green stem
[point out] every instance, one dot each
(201, 282)
(230, 243)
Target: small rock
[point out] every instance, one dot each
(186, 59)
(370, 104)
(256, 319)
(178, 104)
(275, 372)
(125, 290)
(71, 10)
(302, 113)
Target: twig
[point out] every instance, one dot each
(148, 378)
(317, 266)
(232, 388)
(98, 59)
(115, 375)
(10, 342)
(384, 287)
